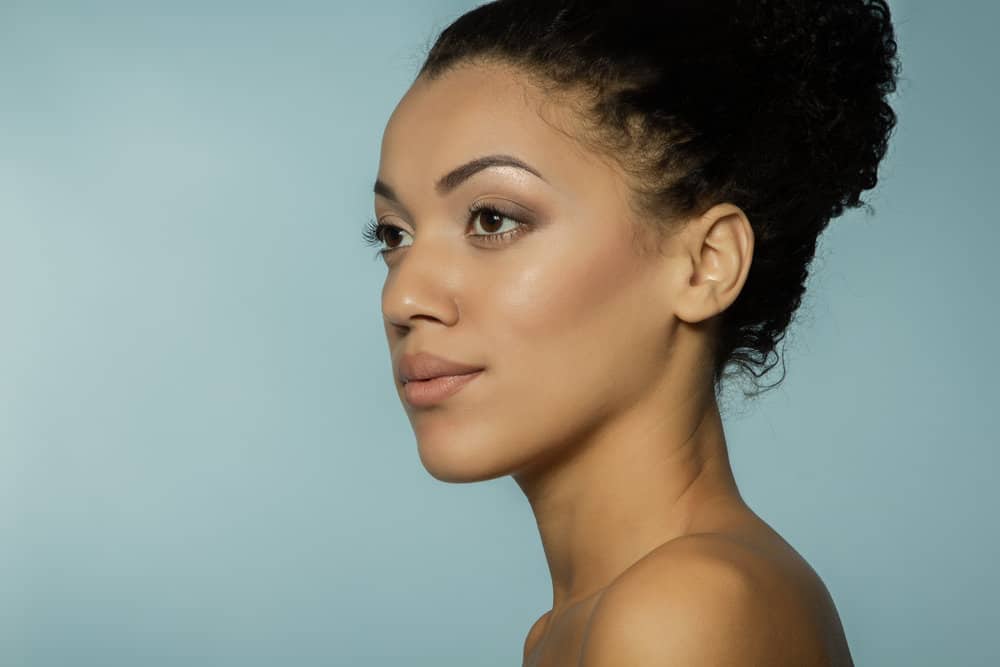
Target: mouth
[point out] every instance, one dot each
(424, 393)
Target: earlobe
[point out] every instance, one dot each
(718, 250)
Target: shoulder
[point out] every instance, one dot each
(534, 634)
(710, 599)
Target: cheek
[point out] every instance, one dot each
(565, 317)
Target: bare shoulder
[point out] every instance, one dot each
(534, 634)
(717, 599)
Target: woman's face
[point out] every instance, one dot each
(572, 327)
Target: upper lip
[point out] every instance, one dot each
(424, 365)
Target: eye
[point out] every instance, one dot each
(491, 219)
(375, 233)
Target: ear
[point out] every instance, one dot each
(711, 260)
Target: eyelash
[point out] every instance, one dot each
(374, 230)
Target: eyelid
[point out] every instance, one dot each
(526, 219)
(521, 213)
(486, 201)
(525, 223)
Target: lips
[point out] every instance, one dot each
(425, 366)
(427, 393)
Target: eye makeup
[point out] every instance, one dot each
(375, 232)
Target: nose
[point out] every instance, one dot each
(423, 284)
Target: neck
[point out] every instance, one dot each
(639, 480)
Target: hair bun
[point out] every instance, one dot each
(825, 68)
(778, 106)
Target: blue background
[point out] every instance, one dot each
(203, 460)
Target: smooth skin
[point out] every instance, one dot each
(596, 396)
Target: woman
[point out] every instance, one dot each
(590, 212)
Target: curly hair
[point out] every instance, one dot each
(777, 106)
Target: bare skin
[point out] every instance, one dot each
(596, 395)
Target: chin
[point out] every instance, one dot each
(457, 463)
(458, 456)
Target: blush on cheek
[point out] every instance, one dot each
(568, 291)
(566, 312)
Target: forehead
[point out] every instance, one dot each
(480, 109)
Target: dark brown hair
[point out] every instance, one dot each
(777, 106)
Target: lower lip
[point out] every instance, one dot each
(423, 393)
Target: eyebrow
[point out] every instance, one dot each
(460, 174)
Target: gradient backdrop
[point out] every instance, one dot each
(203, 460)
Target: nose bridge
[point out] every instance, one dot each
(424, 282)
